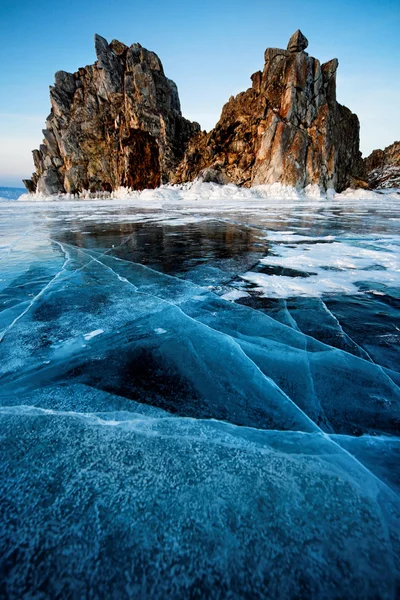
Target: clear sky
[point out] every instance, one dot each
(208, 47)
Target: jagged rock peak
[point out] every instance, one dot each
(287, 128)
(115, 123)
(298, 42)
(118, 122)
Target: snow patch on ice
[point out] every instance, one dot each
(235, 295)
(92, 334)
(328, 267)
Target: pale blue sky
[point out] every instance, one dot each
(209, 48)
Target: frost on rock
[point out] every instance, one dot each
(173, 427)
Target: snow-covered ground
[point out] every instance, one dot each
(199, 394)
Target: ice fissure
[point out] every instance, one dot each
(203, 397)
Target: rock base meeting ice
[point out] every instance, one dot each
(200, 395)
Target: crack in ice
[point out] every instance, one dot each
(32, 302)
(13, 244)
(215, 331)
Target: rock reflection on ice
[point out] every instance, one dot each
(170, 426)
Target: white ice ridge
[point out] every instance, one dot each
(210, 191)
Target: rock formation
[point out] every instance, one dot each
(287, 128)
(118, 123)
(115, 123)
(383, 167)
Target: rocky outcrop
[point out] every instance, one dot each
(287, 128)
(119, 123)
(115, 123)
(383, 167)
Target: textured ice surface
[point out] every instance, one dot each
(126, 505)
(199, 395)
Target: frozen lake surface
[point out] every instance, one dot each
(200, 395)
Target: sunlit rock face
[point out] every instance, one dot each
(383, 167)
(287, 128)
(115, 123)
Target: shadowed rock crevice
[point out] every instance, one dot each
(142, 167)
